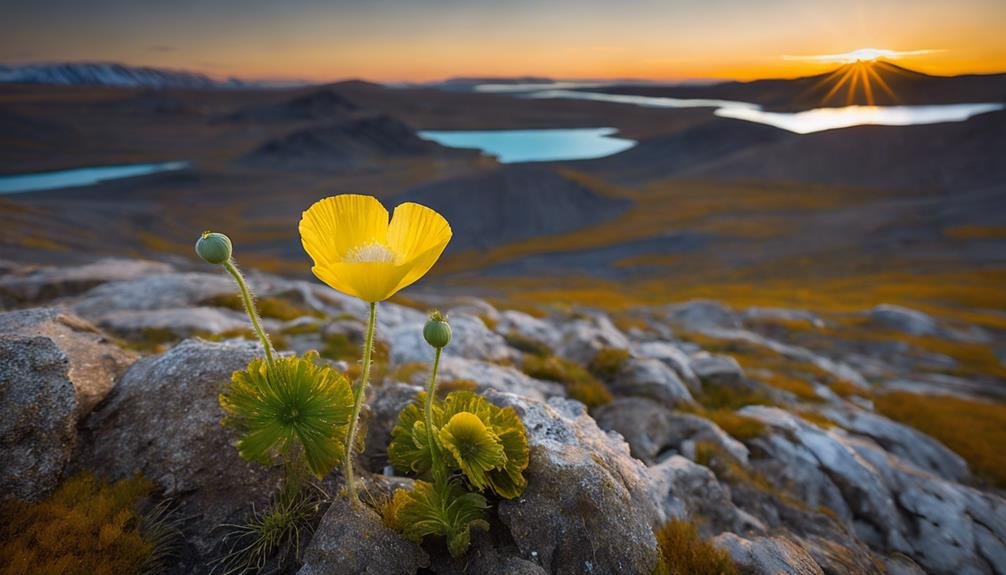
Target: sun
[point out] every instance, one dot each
(863, 55)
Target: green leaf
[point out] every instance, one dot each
(506, 480)
(296, 402)
(408, 448)
(443, 508)
(476, 449)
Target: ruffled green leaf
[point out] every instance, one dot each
(408, 447)
(295, 403)
(506, 480)
(476, 449)
(443, 508)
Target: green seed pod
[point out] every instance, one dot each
(437, 331)
(214, 248)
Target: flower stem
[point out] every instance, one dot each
(430, 392)
(360, 392)
(249, 303)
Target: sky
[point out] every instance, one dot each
(424, 40)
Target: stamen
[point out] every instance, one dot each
(372, 252)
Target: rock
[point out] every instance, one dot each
(650, 378)
(779, 314)
(44, 284)
(717, 369)
(589, 507)
(768, 555)
(702, 313)
(163, 420)
(384, 403)
(151, 292)
(673, 357)
(487, 556)
(352, 540)
(687, 430)
(56, 368)
(470, 339)
(691, 490)
(824, 470)
(643, 423)
(911, 445)
(582, 338)
(904, 320)
(474, 307)
(179, 322)
(520, 323)
(497, 377)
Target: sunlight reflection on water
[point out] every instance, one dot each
(17, 183)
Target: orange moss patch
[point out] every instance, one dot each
(976, 232)
(974, 429)
(580, 384)
(684, 552)
(738, 426)
(86, 526)
(607, 362)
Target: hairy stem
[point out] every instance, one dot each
(430, 392)
(360, 392)
(249, 303)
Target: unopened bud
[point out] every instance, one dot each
(437, 331)
(214, 248)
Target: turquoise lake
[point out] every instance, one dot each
(509, 146)
(18, 183)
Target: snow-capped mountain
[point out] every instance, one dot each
(110, 74)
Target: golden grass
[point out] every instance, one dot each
(684, 552)
(579, 383)
(976, 232)
(268, 306)
(86, 526)
(976, 430)
(738, 426)
(607, 362)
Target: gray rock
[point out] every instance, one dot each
(55, 368)
(650, 378)
(910, 444)
(903, 319)
(781, 314)
(352, 540)
(384, 403)
(163, 420)
(39, 285)
(702, 313)
(582, 338)
(502, 378)
(686, 430)
(470, 339)
(487, 556)
(674, 357)
(474, 307)
(643, 423)
(717, 369)
(687, 489)
(589, 506)
(512, 321)
(769, 555)
(180, 322)
(156, 291)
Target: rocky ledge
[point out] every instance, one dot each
(763, 427)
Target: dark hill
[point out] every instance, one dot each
(318, 105)
(343, 144)
(904, 87)
(511, 204)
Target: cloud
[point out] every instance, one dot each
(862, 54)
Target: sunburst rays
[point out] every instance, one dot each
(859, 82)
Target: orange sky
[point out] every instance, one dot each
(418, 40)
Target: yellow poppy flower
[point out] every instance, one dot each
(358, 252)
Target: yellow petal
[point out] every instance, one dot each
(369, 281)
(333, 226)
(419, 236)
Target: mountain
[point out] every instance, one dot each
(513, 203)
(318, 105)
(111, 74)
(888, 84)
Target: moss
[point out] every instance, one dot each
(816, 418)
(489, 321)
(408, 371)
(302, 328)
(86, 526)
(786, 382)
(684, 552)
(714, 397)
(607, 362)
(580, 384)
(738, 426)
(271, 307)
(976, 430)
(728, 469)
(447, 386)
(527, 344)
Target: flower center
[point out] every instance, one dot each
(372, 252)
